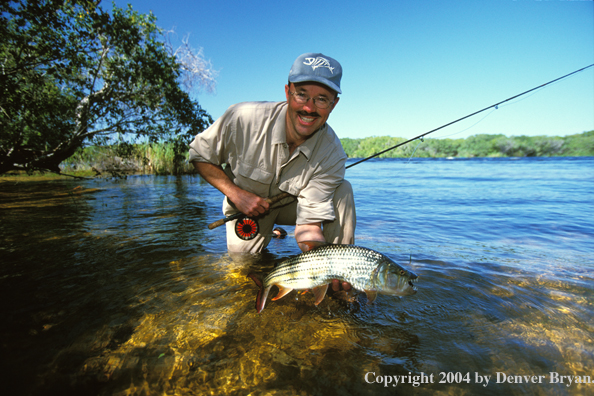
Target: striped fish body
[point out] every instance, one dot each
(363, 268)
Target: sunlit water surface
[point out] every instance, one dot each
(117, 287)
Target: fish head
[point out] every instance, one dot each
(393, 279)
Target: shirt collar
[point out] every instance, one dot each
(279, 130)
(279, 134)
(310, 144)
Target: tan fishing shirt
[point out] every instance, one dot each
(251, 139)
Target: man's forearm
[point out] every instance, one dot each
(216, 176)
(308, 233)
(247, 203)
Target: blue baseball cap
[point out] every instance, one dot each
(319, 68)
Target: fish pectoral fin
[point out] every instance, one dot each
(319, 293)
(282, 291)
(371, 296)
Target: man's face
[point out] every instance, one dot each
(304, 119)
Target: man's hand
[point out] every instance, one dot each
(346, 286)
(249, 203)
(246, 202)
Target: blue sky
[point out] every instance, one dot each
(408, 66)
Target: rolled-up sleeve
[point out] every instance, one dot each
(212, 145)
(315, 200)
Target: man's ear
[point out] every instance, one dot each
(335, 102)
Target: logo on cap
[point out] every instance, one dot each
(318, 62)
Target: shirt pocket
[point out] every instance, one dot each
(253, 179)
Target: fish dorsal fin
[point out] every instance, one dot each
(319, 292)
(282, 291)
(371, 296)
(313, 244)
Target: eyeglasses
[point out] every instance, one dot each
(320, 102)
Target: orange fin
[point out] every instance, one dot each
(371, 296)
(319, 292)
(313, 244)
(282, 291)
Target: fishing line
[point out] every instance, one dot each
(496, 108)
(473, 125)
(529, 96)
(496, 105)
(415, 150)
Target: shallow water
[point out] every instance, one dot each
(116, 287)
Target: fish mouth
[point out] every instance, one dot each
(412, 286)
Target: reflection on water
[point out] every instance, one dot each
(117, 287)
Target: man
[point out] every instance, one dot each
(268, 148)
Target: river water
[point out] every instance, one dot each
(117, 287)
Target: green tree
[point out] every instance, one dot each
(481, 146)
(349, 145)
(71, 74)
(578, 145)
(436, 148)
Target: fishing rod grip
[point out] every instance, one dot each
(270, 201)
(277, 198)
(219, 223)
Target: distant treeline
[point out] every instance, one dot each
(474, 146)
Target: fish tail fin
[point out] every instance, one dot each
(257, 278)
(262, 293)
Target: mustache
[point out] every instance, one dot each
(306, 114)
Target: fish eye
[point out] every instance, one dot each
(402, 272)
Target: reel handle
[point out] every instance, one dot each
(271, 201)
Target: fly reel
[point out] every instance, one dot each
(246, 228)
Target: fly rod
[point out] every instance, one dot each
(468, 116)
(284, 195)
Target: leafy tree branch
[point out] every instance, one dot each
(71, 75)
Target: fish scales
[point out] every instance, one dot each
(363, 268)
(351, 264)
